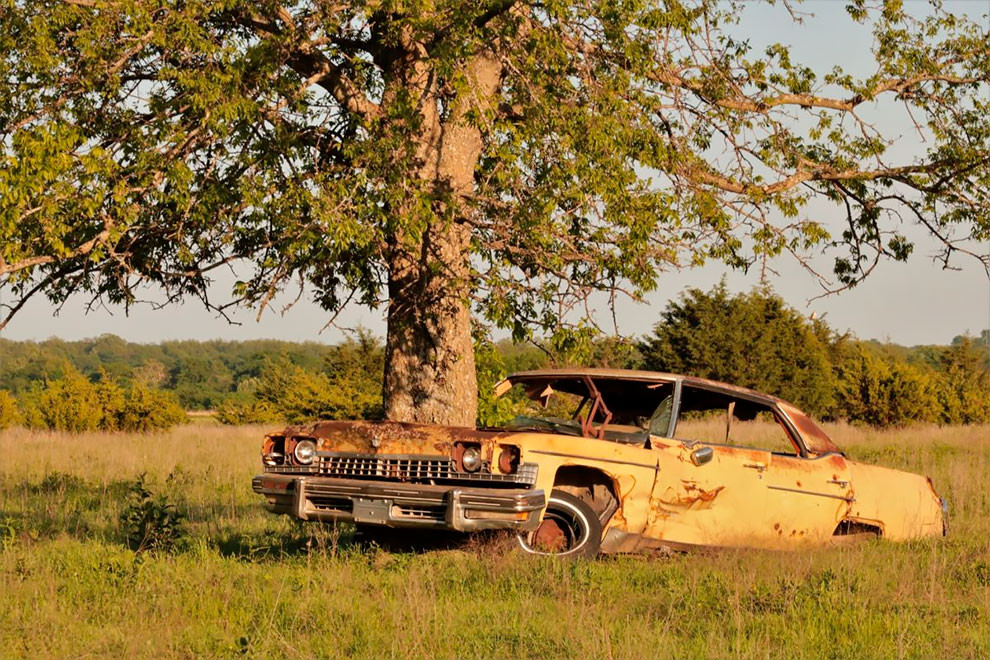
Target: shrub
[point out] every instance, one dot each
(110, 398)
(297, 395)
(490, 369)
(247, 412)
(150, 521)
(885, 392)
(10, 415)
(348, 387)
(71, 403)
(754, 340)
(757, 341)
(145, 409)
(965, 396)
(30, 412)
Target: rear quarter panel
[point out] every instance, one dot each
(902, 504)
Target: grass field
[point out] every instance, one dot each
(246, 584)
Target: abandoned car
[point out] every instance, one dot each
(602, 461)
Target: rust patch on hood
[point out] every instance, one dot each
(386, 437)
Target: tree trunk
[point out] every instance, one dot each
(429, 351)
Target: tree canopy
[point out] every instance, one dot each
(499, 160)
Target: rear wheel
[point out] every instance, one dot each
(570, 528)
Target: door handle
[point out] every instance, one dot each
(838, 482)
(759, 467)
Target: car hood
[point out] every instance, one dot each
(391, 438)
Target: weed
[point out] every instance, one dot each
(151, 522)
(8, 532)
(982, 571)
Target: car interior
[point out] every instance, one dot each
(631, 411)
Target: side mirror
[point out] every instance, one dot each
(702, 455)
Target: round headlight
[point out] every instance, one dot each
(304, 452)
(471, 459)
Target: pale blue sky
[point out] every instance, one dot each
(913, 303)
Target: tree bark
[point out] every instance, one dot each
(429, 350)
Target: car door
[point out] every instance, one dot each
(756, 490)
(806, 497)
(706, 493)
(719, 502)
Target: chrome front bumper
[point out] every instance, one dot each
(401, 504)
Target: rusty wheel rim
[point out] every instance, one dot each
(549, 537)
(559, 533)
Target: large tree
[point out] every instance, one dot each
(447, 158)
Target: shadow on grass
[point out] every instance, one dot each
(63, 504)
(313, 538)
(211, 513)
(272, 544)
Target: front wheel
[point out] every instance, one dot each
(570, 528)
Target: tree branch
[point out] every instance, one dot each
(745, 104)
(306, 59)
(318, 69)
(84, 249)
(813, 173)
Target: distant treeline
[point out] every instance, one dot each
(202, 374)
(755, 340)
(752, 339)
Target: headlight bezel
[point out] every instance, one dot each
(471, 460)
(273, 451)
(476, 461)
(304, 452)
(508, 459)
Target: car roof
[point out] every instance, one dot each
(642, 376)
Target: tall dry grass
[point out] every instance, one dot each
(246, 584)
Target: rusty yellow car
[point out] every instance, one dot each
(602, 461)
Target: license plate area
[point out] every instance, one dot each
(371, 511)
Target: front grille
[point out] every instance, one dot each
(408, 468)
(387, 468)
(291, 469)
(342, 504)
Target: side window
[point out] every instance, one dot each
(720, 418)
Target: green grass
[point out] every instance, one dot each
(247, 584)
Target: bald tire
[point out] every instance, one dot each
(579, 522)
